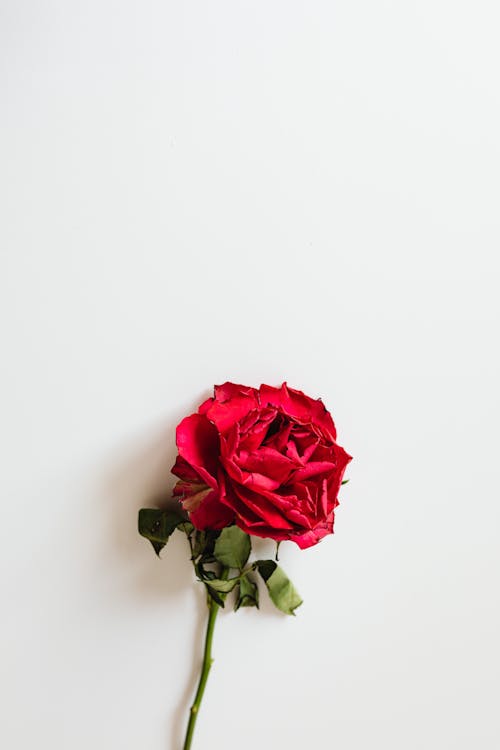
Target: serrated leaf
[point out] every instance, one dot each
(248, 595)
(232, 547)
(157, 526)
(281, 590)
(223, 587)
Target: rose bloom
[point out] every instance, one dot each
(265, 459)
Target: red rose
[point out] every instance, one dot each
(264, 459)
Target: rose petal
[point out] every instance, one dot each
(198, 444)
(305, 444)
(243, 477)
(242, 511)
(229, 390)
(255, 429)
(297, 404)
(263, 508)
(281, 436)
(267, 461)
(211, 513)
(292, 453)
(312, 469)
(313, 536)
(231, 403)
(192, 500)
(342, 458)
(262, 531)
(230, 441)
(296, 503)
(185, 471)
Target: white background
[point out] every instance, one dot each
(254, 191)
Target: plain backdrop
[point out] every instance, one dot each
(201, 191)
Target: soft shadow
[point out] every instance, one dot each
(138, 475)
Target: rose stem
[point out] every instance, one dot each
(213, 609)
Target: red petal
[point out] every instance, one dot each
(185, 471)
(267, 461)
(211, 514)
(264, 532)
(242, 511)
(246, 478)
(342, 458)
(312, 537)
(265, 510)
(296, 404)
(231, 404)
(198, 444)
(229, 390)
(254, 428)
(312, 469)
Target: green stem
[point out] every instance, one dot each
(213, 609)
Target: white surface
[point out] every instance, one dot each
(195, 192)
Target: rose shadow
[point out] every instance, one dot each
(139, 477)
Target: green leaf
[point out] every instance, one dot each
(186, 527)
(248, 593)
(266, 568)
(206, 559)
(223, 587)
(157, 526)
(204, 575)
(232, 548)
(344, 481)
(218, 598)
(281, 589)
(199, 543)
